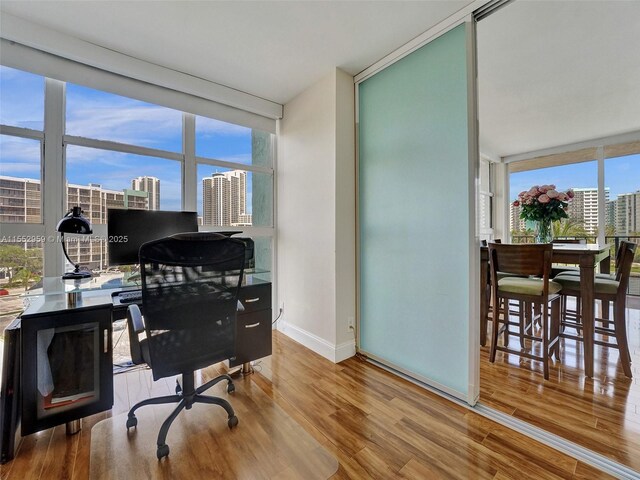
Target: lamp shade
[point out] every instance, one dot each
(74, 222)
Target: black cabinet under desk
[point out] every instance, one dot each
(253, 324)
(67, 366)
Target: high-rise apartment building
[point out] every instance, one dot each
(245, 220)
(584, 207)
(224, 199)
(151, 185)
(627, 213)
(516, 224)
(216, 209)
(610, 213)
(20, 202)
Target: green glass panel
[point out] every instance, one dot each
(414, 213)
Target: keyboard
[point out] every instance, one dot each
(133, 296)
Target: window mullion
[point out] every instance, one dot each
(189, 167)
(601, 196)
(54, 193)
(21, 132)
(234, 166)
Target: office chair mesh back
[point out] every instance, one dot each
(190, 285)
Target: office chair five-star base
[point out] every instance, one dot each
(186, 398)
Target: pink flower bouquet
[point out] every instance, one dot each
(543, 203)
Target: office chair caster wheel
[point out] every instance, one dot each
(231, 388)
(178, 388)
(132, 422)
(163, 451)
(232, 422)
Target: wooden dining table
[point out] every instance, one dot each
(586, 256)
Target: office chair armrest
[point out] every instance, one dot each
(134, 319)
(135, 324)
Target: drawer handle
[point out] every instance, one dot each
(253, 325)
(251, 300)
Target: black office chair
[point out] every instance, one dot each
(190, 285)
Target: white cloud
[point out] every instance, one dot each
(244, 158)
(133, 124)
(15, 169)
(115, 170)
(19, 156)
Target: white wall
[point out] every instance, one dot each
(316, 217)
(345, 210)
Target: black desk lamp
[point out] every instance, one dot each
(74, 222)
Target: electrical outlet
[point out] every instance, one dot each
(351, 324)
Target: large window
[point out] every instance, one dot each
(119, 152)
(583, 209)
(603, 209)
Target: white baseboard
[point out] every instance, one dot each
(330, 351)
(345, 350)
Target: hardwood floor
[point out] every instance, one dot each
(377, 425)
(602, 414)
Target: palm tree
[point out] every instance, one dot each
(568, 227)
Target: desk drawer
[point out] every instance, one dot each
(253, 336)
(255, 297)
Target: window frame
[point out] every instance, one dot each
(30, 134)
(54, 141)
(598, 150)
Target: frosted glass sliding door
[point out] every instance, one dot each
(416, 215)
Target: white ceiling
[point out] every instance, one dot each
(558, 72)
(550, 73)
(271, 49)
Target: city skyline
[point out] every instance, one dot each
(622, 213)
(233, 208)
(21, 202)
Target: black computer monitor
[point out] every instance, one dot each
(127, 230)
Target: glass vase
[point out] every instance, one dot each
(543, 231)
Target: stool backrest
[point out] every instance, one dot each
(626, 253)
(521, 259)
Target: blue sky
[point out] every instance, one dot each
(104, 116)
(622, 175)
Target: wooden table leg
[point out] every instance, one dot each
(587, 272)
(484, 301)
